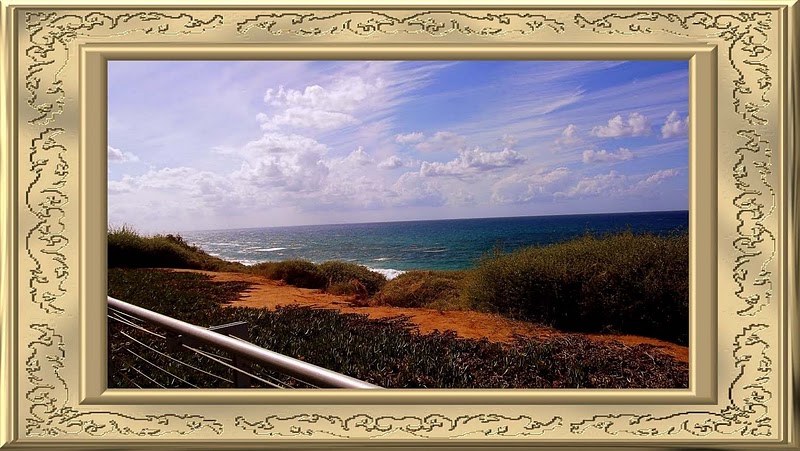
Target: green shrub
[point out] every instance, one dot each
(300, 273)
(637, 284)
(128, 249)
(433, 289)
(339, 276)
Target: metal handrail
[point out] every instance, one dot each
(305, 371)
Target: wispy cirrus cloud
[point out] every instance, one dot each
(271, 143)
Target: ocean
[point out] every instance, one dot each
(394, 247)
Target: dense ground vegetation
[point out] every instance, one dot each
(625, 283)
(128, 249)
(389, 352)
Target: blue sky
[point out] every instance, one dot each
(231, 144)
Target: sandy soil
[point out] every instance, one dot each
(270, 294)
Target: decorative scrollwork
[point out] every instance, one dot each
(369, 426)
(52, 416)
(745, 34)
(51, 36)
(746, 413)
(367, 23)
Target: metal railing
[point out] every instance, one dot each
(190, 336)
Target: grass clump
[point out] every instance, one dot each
(430, 289)
(129, 249)
(629, 283)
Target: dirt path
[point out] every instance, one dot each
(270, 294)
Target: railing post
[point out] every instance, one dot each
(240, 331)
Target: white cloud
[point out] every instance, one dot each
(658, 177)
(359, 157)
(392, 162)
(305, 118)
(636, 125)
(470, 162)
(674, 126)
(610, 184)
(317, 107)
(413, 189)
(343, 95)
(569, 136)
(409, 138)
(294, 172)
(275, 143)
(604, 156)
(189, 194)
(615, 184)
(119, 156)
(520, 188)
(442, 141)
(508, 140)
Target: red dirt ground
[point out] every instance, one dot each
(269, 294)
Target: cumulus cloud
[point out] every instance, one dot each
(442, 141)
(674, 126)
(119, 156)
(659, 176)
(275, 143)
(508, 140)
(604, 156)
(295, 172)
(521, 188)
(569, 136)
(413, 189)
(317, 107)
(636, 125)
(392, 162)
(305, 118)
(183, 181)
(470, 162)
(409, 138)
(359, 158)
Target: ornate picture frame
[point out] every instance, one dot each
(743, 149)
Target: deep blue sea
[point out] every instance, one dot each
(394, 247)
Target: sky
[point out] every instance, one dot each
(205, 145)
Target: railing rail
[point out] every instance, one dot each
(304, 371)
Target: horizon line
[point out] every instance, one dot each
(430, 220)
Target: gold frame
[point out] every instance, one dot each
(744, 74)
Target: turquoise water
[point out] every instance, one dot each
(393, 247)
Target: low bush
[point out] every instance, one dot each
(432, 289)
(340, 276)
(300, 273)
(334, 276)
(637, 284)
(128, 249)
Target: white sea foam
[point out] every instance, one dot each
(434, 251)
(381, 259)
(388, 273)
(269, 249)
